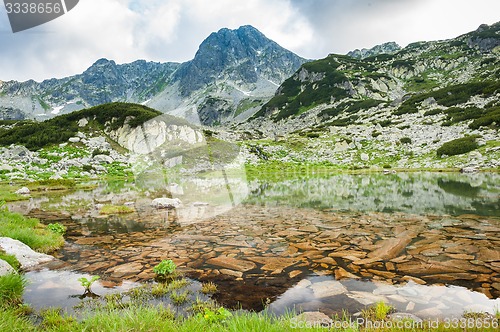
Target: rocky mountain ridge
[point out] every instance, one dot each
(234, 71)
(386, 48)
(388, 110)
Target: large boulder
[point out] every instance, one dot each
(158, 132)
(19, 152)
(26, 256)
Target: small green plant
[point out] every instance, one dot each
(97, 152)
(405, 140)
(208, 288)
(178, 284)
(87, 283)
(377, 312)
(57, 228)
(199, 306)
(164, 269)
(179, 298)
(215, 316)
(159, 290)
(115, 301)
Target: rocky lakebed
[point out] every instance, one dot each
(266, 252)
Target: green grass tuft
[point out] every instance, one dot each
(208, 288)
(116, 209)
(179, 298)
(29, 231)
(11, 288)
(11, 259)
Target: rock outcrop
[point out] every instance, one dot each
(161, 131)
(27, 257)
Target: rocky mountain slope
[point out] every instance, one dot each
(393, 110)
(103, 82)
(233, 73)
(386, 48)
(116, 139)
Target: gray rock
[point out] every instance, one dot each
(175, 189)
(469, 170)
(314, 318)
(200, 204)
(83, 122)
(23, 191)
(102, 158)
(475, 155)
(328, 288)
(172, 162)
(404, 316)
(74, 139)
(19, 152)
(5, 268)
(7, 168)
(166, 203)
(429, 102)
(26, 256)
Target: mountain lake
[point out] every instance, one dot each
(426, 243)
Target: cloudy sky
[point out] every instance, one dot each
(171, 30)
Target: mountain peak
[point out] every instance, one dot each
(239, 51)
(103, 62)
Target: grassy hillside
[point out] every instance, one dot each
(36, 135)
(450, 73)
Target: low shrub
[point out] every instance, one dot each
(405, 140)
(458, 146)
